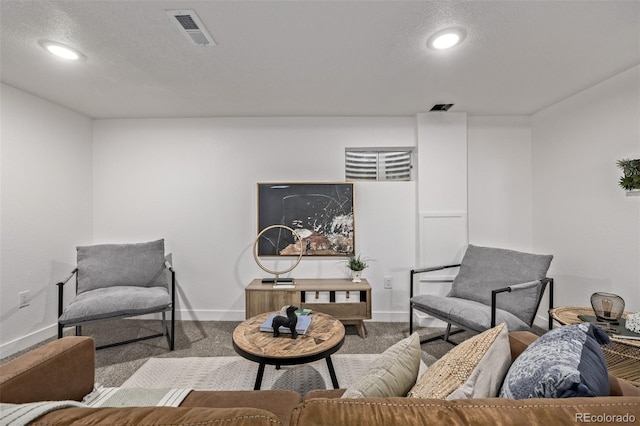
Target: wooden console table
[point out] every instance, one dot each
(261, 298)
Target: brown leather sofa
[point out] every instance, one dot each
(623, 406)
(64, 370)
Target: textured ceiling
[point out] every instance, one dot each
(316, 58)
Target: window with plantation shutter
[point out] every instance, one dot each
(378, 165)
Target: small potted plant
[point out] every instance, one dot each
(357, 264)
(630, 180)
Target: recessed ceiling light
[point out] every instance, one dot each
(61, 51)
(447, 38)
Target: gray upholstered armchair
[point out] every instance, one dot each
(493, 286)
(119, 281)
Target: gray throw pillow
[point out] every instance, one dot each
(110, 265)
(393, 373)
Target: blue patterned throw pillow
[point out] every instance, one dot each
(566, 362)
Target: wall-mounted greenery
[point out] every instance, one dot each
(631, 170)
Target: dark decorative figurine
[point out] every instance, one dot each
(290, 321)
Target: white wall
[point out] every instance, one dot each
(193, 182)
(45, 210)
(580, 214)
(500, 200)
(442, 187)
(500, 188)
(442, 202)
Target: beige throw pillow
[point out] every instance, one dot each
(393, 373)
(473, 369)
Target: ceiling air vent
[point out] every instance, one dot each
(441, 107)
(191, 26)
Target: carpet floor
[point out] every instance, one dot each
(214, 339)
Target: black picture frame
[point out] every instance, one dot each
(321, 213)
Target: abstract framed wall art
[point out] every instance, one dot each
(320, 213)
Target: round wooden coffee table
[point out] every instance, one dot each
(323, 338)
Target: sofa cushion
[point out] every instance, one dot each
(393, 373)
(473, 369)
(110, 265)
(565, 362)
(484, 269)
(114, 302)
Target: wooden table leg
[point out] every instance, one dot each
(360, 327)
(362, 330)
(332, 373)
(259, 377)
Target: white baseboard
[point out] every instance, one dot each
(22, 343)
(389, 316)
(424, 320)
(199, 315)
(541, 321)
(207, 315)
(210, 315)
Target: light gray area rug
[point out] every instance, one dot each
(237, 373)
(214, 339)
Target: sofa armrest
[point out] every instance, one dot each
(621, 387)
(519, 341)
(63, 369)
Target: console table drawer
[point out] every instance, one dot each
(259, 302)
(343, 311)
(332, 299)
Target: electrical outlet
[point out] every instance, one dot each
(25, 299)
(388, 282)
